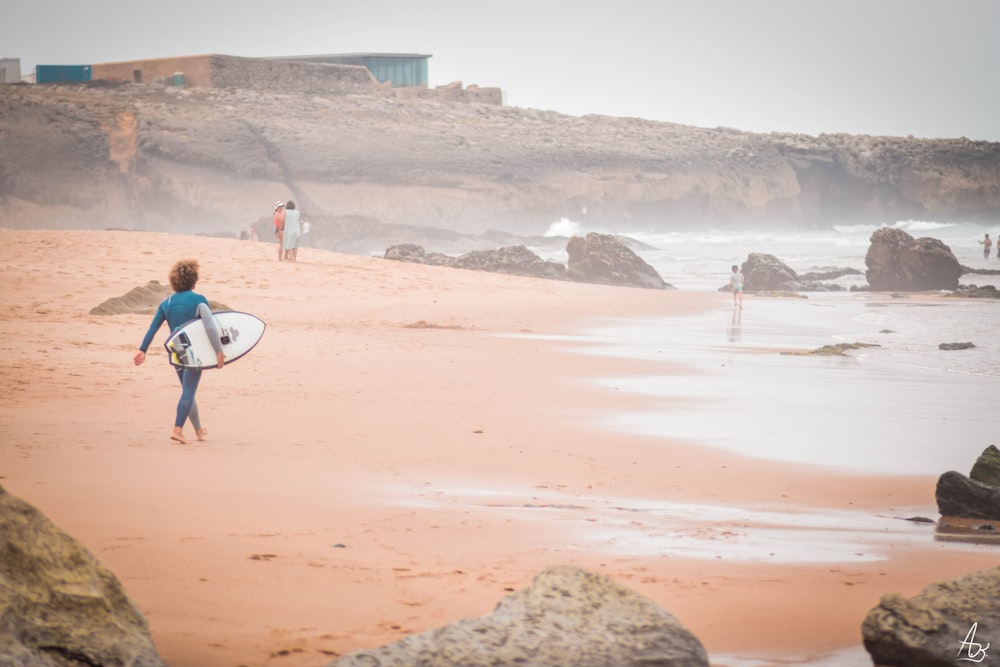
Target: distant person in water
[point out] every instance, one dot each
(736, 285)
(987, 244)
(279, 227)
(293, 232)
(180, 307)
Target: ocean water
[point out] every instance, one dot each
(719, 379)
(699, 260)
(903, 407)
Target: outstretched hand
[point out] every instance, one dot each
(139, 358)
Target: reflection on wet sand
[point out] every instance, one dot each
(971, 531)
(640, 527)
(734, 331)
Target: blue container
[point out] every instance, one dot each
(61, 73)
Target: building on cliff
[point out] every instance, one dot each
(387, 75)
(10, 70)
(396, 69)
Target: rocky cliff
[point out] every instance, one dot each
(371, 168)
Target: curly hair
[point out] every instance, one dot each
(184, 275)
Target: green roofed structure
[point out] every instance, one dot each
(397, 69)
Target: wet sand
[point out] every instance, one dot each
(407, 445)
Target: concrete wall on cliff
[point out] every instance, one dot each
(261, 74)
(197, 70)
(280, 75)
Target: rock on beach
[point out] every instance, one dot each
(566, 617)
(897, 261)
(59, 606)
(928, 630)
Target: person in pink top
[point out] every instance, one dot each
(279, 228)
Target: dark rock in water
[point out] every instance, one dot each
(955, 346)
(59, 606)
(763, 273)
(974, 292)
(567, 616)
(513, 260)
(840, 349)
(928, 630)
(605, 260)
(986, 469)
(766, 272)
(897, 261)
(960, 496)
(832, 274)
(980, 272)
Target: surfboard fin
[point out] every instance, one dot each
(179, 349)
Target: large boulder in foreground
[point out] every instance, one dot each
(929, 629)
(59, 607)
(566, 617)
(605, 260)
(897, 261)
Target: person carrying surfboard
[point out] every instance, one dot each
(181, 306)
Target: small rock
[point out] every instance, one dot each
(956, 346)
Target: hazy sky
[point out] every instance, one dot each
(922, 67)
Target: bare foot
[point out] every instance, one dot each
(178, 436)
(201, 433)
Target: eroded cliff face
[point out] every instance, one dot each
(146, 156)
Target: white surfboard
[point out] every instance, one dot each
(189, 347)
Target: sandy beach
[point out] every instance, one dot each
(405, 446)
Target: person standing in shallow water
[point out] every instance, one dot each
(180, 307)
(987, 244)
(292, 232)
(736, 285)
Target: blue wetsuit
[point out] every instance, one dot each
(177, 309)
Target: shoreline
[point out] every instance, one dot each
(405, 447)
(750, 386)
